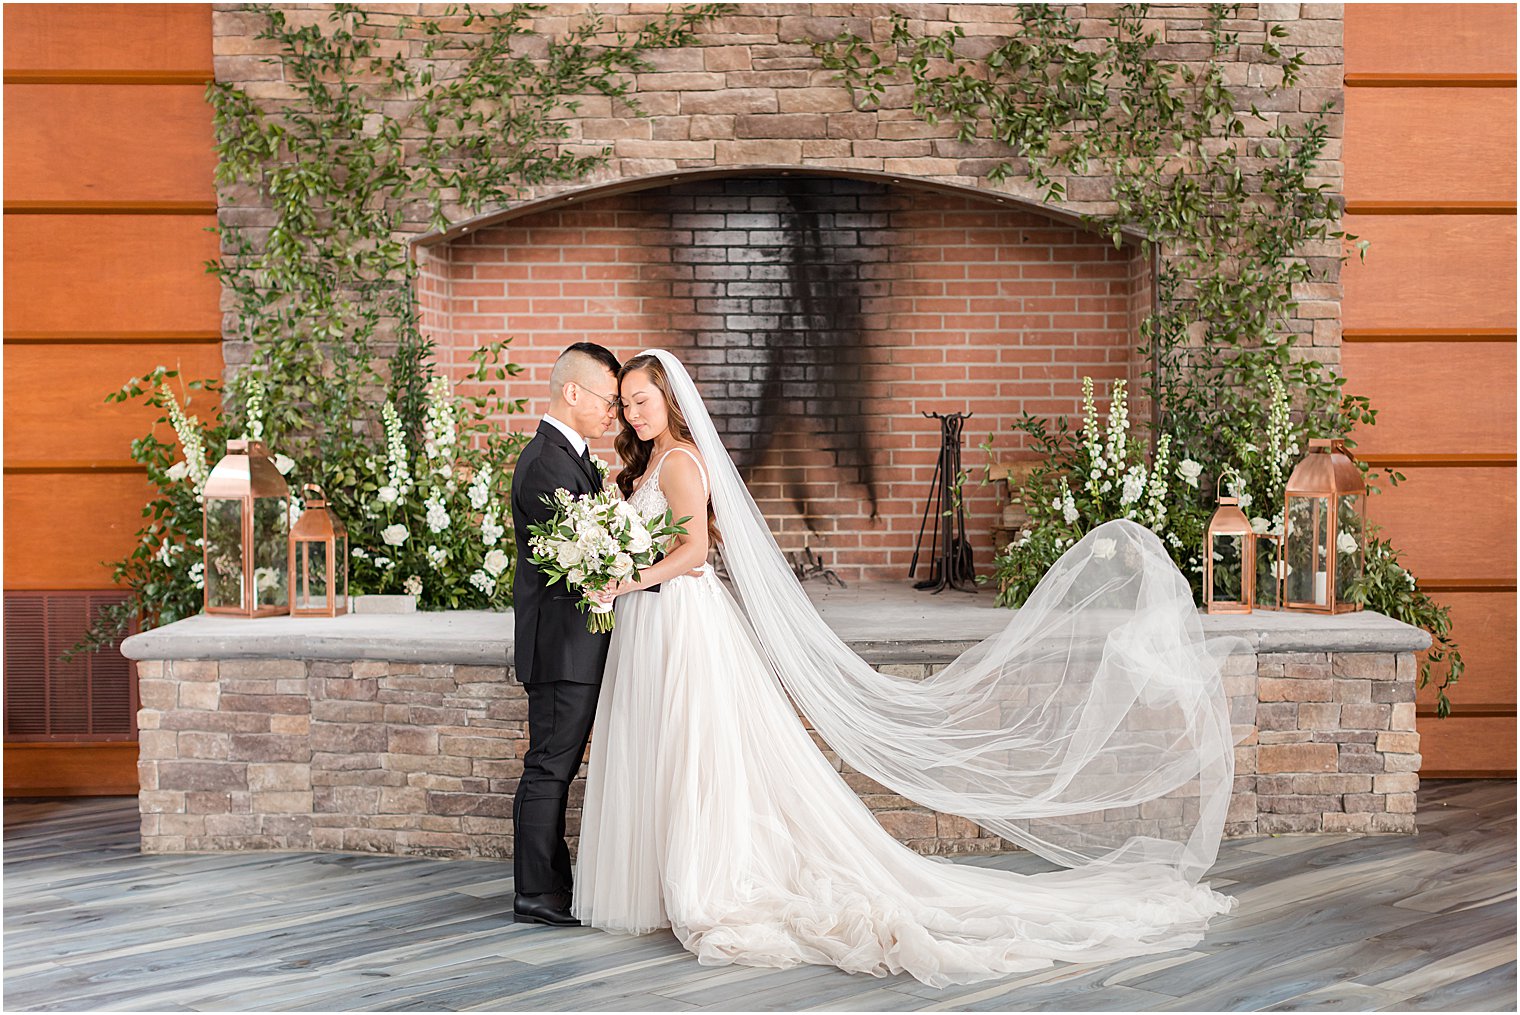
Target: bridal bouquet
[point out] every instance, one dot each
(594, 541)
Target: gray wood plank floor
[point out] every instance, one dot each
(1326, 923)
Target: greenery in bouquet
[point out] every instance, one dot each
(594, 541)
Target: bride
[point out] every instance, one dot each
(1093, 731)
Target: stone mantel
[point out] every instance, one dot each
(404, 733)
(872, 619)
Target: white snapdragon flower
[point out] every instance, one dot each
(394, 535)
(495, 563)
(1134, 486)
(437, 515)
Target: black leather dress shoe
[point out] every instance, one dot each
(552, 909)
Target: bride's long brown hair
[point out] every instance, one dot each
(635, 453)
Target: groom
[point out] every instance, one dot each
(559, 662)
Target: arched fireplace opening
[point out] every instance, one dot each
(822, 314)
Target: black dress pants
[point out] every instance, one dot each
(559, 725)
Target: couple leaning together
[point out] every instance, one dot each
(1093, 730)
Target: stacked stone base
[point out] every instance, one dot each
(419, 759)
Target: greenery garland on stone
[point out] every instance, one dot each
(1220, 363)
(383, 123)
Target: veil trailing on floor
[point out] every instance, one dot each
(1093, 730)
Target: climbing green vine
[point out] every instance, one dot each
(1235, 210)
(382, 124)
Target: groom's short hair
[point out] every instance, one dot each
(577, 363)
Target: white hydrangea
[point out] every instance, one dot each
(491, 530)
(483, 581)
(437, 557)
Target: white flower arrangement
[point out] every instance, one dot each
(593, 541)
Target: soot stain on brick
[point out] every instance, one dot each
(785, 352)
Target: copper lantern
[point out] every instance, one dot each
(246, 532)
(1324, 545)
(319, 559)
(1229, 560)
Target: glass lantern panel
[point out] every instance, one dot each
(271, 551)
(1227, 552)
(1266, 572)
(311, 575)
(224, 552)
(1350, 554)
(1306, 539)
(340, 578)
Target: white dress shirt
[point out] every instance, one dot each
(576, 440)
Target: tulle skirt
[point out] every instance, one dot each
(709, 810)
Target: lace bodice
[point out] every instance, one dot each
(649, 500)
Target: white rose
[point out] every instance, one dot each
(178, 470)
(1103, 548)
(387, 494)
(568, 554)
(495, 563)
(575, 576)
(1189, 470)
(1345, 543)
(639, 540)
(394, 535)
(622, 566)
(284, 464)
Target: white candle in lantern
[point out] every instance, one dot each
(1319, 588)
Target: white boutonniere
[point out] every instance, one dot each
(601, 466)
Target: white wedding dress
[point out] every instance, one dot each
(710, 810)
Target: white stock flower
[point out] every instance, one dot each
(483, 581)
(1259, 526)
(490, 531)
(495, 563)
(437, 557)
(195, 573)
(394, 535)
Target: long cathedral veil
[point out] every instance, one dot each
(1093, 730)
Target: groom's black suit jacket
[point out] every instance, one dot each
(552, 640)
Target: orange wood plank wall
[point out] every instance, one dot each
(1429, 332)
(109, 191)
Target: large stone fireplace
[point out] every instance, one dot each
(822, 315)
